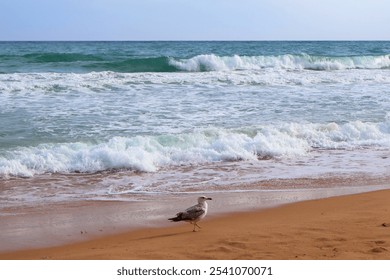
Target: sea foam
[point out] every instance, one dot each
(150, 153)
(211, 62)
(37, 83)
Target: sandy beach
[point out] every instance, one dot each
(345, 227)
(102, 142)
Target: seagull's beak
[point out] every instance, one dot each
(209, 198)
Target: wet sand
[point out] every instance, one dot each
(345, 227)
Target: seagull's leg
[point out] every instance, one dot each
(194, 228)
(196, 225)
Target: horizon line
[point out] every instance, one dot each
(204, 40)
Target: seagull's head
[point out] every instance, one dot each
(202, 199)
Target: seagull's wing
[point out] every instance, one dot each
(192, 213)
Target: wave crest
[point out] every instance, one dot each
(149, 153)
(213, 62)
(79, 62)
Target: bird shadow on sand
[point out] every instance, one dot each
(166, 235)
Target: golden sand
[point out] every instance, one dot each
(344, 227)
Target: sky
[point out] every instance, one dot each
(194, 20)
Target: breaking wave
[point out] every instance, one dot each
(150, 153)
(213, 62)
(79, 62)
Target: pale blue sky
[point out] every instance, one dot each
(194, 20)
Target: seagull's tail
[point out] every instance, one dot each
(178, 217)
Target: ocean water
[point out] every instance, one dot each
(132, 120)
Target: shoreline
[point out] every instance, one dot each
(353, 226)
(56, 224)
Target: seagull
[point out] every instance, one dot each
(193, 214)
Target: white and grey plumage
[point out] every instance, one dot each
(193, 214)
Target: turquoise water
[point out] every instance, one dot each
(130, 57)
(158, 108)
